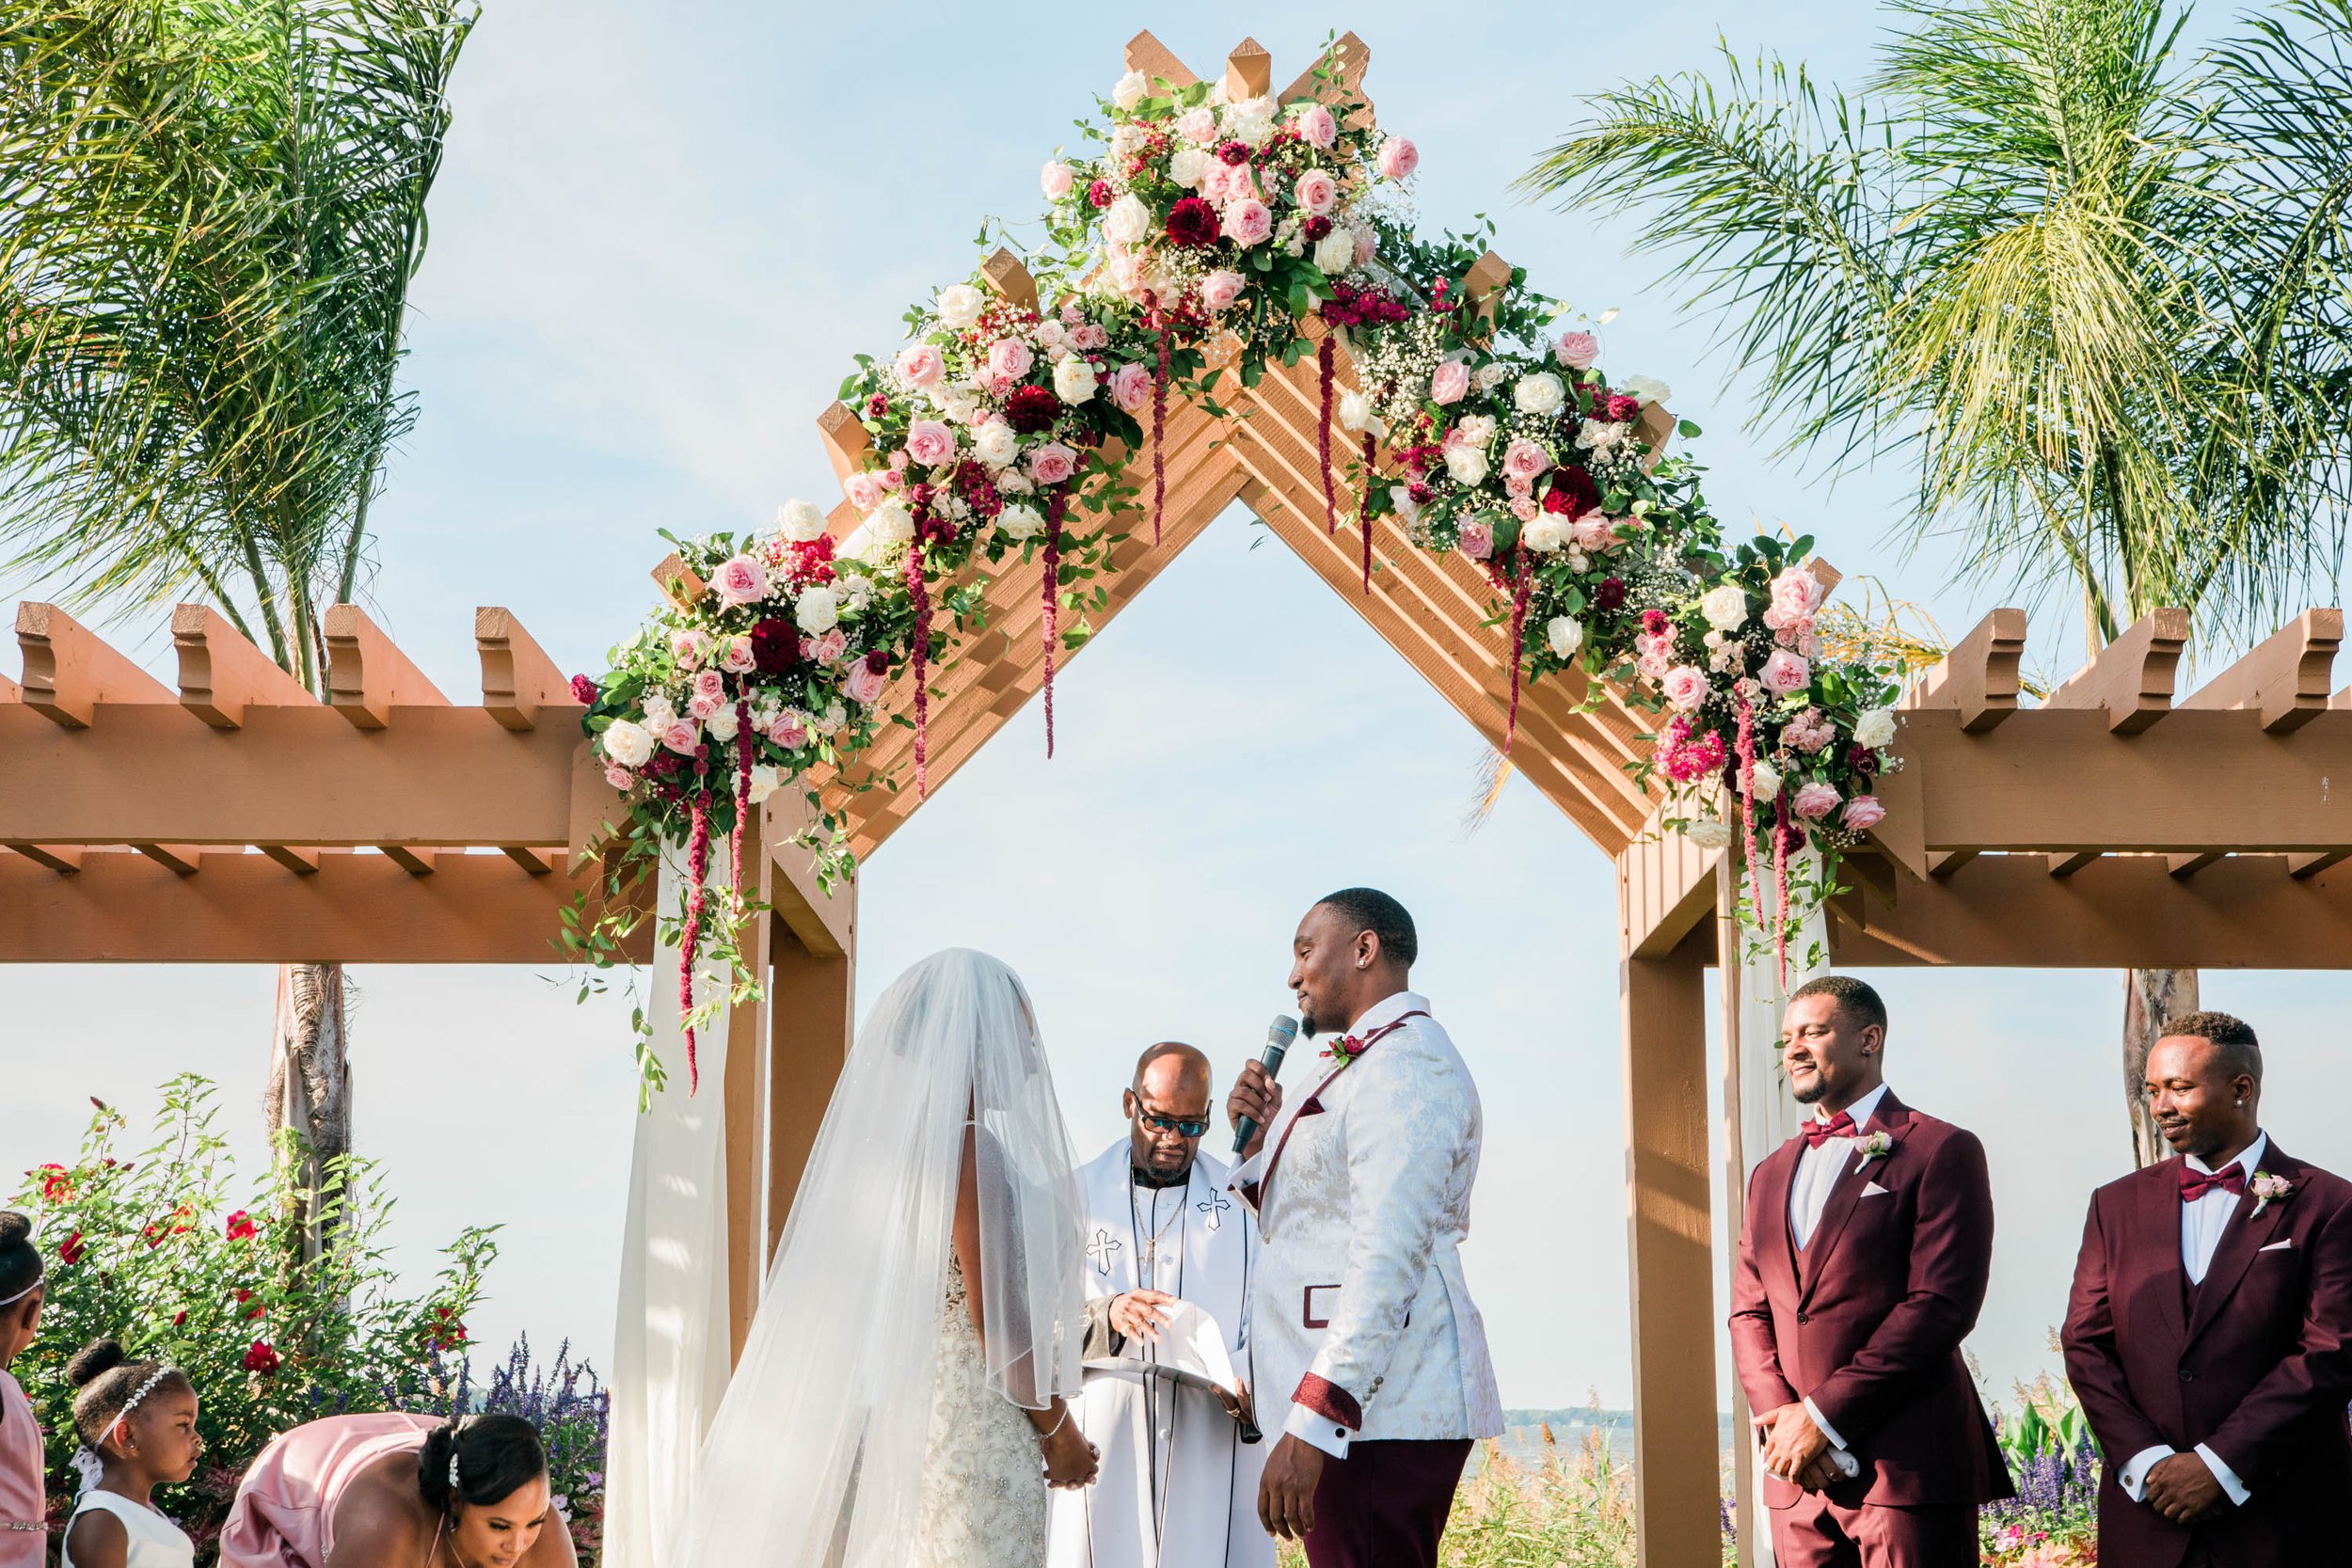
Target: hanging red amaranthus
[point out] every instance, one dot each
(1325, 353)
(1780, 886)
(697, 870)
(1363, 510)
(742, 803)
(918, 588)
(1159, 414)
(1520, 588)
(1744, 747)
(1050, 623)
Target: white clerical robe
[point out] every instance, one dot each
(1178, 1488)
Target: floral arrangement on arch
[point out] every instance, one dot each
(1210, 236)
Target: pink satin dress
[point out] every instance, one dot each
(24, 1483)
(284, 1515)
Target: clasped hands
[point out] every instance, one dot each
(1795, 1449)
(2181, 1487)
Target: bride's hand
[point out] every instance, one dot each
(1071, 1461)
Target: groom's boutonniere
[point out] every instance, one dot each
(2266, 1187)
(1345, 1050)
(1877, 1146)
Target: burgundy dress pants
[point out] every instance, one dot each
(1818, 1533)
(1385, 1505)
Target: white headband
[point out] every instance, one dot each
(132, 1403)
(39, 1280)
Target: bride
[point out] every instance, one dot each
(900, 1398)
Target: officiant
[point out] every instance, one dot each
(1178, 1488)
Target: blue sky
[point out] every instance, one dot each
(656, 246)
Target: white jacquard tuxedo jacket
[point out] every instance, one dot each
(1360, 1327)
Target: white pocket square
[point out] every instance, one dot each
(1874, 1190)
(2276, 1246)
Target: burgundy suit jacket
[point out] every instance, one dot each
(1867, 1320)
(2259, 1370)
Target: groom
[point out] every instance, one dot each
(1368, 1354)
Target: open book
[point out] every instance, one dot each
(1191, 1353)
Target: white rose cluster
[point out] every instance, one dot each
(1876, 728)
(959, 305)
(800, 521)
(1540, 394)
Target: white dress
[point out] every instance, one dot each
(155, 1542)
(984, 1496)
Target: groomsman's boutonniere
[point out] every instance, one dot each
(2266, 1187)
(1345, 1050)
(1877, 1146)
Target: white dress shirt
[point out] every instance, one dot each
(1817, 1170)
(2202, 1222)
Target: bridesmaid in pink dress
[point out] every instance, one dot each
(23, 1481)
(398, 1492)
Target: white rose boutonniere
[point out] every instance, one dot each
(2268, 1188)
(1876, 1146)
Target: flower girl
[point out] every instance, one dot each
(137, 1424)
(24, 1484)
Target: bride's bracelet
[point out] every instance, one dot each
(1047, 1436)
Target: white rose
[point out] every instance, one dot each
(800, 521)
(1131, 89)
(890, 523)
(1020, 522)
(722, 723)
(1707, 833)
(856, 590)
(1489, 376)
(1566, 633)
(627, 744)
(1767, 781)
(1187, 165)
(1335, 252)
(817, 610)
(961, 406)
(1355, 414)
(1465, 463)
(959, 305)
(1250, 121)
(1646, 389)
(1074, 380)
(767, 778)
(830, 720)
(1127, 221)
(1475, 430)
(1540, 393)
(1875, 728)
(1547, 532)
(1725, 608)
(660, 713)
(996, 443)
(1598, 437)
(1012, 481)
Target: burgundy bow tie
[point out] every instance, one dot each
(2196, 1184)
(1816, 1133)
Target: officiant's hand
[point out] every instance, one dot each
(1255, 1095)
(1286, 1493)
(1138, 1314)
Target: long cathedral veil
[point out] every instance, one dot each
(816, 1455)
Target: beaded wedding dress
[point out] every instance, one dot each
(984, 1501)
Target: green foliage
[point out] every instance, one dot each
(152, 1248)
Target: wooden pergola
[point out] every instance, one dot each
(237, 819)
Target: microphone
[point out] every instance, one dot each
(1279, 1036)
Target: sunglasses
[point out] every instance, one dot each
(1173, 1124)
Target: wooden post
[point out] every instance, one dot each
(749, 1051)
(1728, 945)
(811, 1000)
(1676, 1458)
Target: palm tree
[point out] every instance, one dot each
(210, 214)
(2085, 282)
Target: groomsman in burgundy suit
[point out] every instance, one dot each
(2209, 1334)
(1862, 1267)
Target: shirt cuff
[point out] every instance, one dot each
(2135, 1472)
(2222, 1473)
(1324, 1414)
(1317, 1430)
(1822, 1421)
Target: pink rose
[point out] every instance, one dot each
(1516, 487)
(1524, 459)
(1220, 288)
(1685, 685)
(1091, 336)
(1451, 382)
(896, 475)
(617, 776)
(1784, 673)
(1478, 541)
(1055, 180)
(1809, 731)
(1398, 158)
(1366, 243)
(741, 580)
(683, 735)
(1318, 193)
(1594, 533)
(1248, 222)
(709, 687)
(737, 660)
(829, 648)
(1127, 271)
(920, 365)
(1198, 126)
(931, 443)
(1523, 508)
(1131, 387)
(864, 683)
(1052, 463)
(1815, 801)
(1796, 592)
(1862, 812)
(1317, 126)
(1577, 350)
(863, 490)
(1009, 358)
(688, 648)
(789, 730)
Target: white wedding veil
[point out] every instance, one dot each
(816, 1455)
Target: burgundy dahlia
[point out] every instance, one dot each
(1620, 408)
(878, 662)
(1572, 493)
(1032, 409)
(877, 405)
(1192, 222)
(1234, 153)
(1317, 227)
(583, 691)
(775, 646)
(1099, 193)
(1609, 595)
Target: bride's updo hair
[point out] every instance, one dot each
(109, 1379)
(497, 1456)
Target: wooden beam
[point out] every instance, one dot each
(220, 673)
(517, 676)
(2312, 865)
(1979, 675)
(2066, 864)
(1005, 274)
(536, 863)
(368, 675)
(1484, 284)
(2188, 865)
(63, 859)
(1666, 888)
(1945, 862)
(2286, 677)
(2131, 678)
(244, 908)
(743, 1125)
(1153, 58)
(1350, 55)
(677, 580)
(68, 670)
(818, 917)
(301, 862)
(417, 860)
(846, 439)
(180, 860)
(1248, 71)
(812, 999)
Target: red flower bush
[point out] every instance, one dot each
(70, 1250)
(55, 1185)
(259, 1357)
(241, 1226)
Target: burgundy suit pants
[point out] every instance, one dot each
(1385, 1505)
(1818, 1533)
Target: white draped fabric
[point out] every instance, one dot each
(671, 1339)
(1178, 1488)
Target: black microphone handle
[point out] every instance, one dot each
(1246, 1128)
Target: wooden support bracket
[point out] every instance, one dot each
(368, 675)
(221, 673)
(64, 859)
(302, 863)
(517, 676)
(2066, 865)
(677, 580)
(1351, 56)
(1010, 278)
(2132, 676)
(416, 860)
(179, 857)
(2286, 677)
(539, 863)
(2300, 866)
(68, 670)
(1979, 674)
(847, 441)
(1482, 287)
(1157, 62)
(1248, 71)
(2188, 865)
